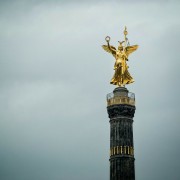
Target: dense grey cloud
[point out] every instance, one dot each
(54, 79)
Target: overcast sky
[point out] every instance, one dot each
(55, 77)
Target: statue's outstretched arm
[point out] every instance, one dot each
(108, 45)
(109, 48)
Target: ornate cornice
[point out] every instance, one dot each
(121, 110)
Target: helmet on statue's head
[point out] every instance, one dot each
(120, 47)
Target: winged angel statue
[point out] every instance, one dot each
(121, 75)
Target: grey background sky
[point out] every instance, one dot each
(55, 77)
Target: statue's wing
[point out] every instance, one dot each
(111, 50)
(131, 49)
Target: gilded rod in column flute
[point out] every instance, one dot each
(121, 75)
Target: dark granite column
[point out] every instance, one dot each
(121, 109)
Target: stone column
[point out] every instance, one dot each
(121, 109)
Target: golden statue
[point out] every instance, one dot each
(121, 74)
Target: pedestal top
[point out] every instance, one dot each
(120, 95)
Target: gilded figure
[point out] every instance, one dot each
(121, 75)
